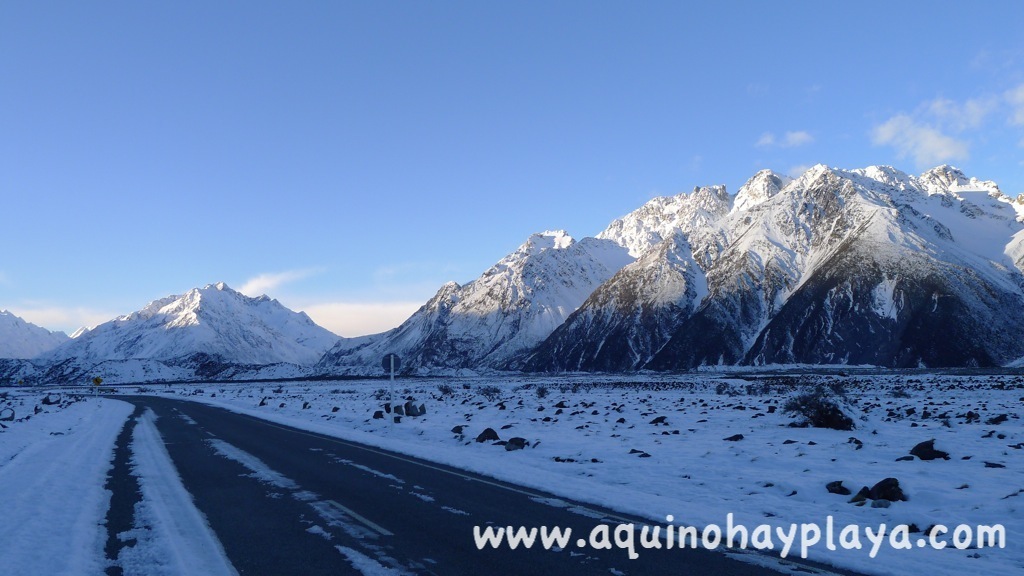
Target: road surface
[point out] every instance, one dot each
(284, 501)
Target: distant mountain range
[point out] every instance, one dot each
(867, 266)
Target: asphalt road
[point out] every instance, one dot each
(320, 505)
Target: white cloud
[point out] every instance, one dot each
(264, 283)
(360, 318)
(788, 140)
(924, 143)
(1015, 98)
(66, 319)
(799, 138)
(959, 117)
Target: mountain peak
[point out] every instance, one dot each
(22, 339)
(761, 186)
(214, 320)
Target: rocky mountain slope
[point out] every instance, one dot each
(495, 320)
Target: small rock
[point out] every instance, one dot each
(837, 488)
(734, 438)
(516, 443)
(926, 451)
(888, 489)
(378, 415)
(458, 429)
(881, 503)
(905, 459)
(995, 421)
(994, 465)
(659, 420)
(487, 435)
(862, 495)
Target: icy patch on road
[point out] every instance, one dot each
(173, 536)
(369, 470)
(366, 565)
(259, 469)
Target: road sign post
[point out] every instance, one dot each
(390, 363)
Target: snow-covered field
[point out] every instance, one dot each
(591, 439)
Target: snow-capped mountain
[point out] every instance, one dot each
(20, 339)
(205, 330)
(495, 320)
(854, 266)
(866, 266)
(629, 317)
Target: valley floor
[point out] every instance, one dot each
(647, 446)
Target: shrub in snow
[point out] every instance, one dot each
(490, 392)
(820, 408)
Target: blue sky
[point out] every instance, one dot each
(348, 158)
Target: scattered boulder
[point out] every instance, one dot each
(516, 443)
(7, 415)
(411, 409)
(458, 429)
(52, 399)
(888, 489)
(994, 465)
(378, 415)
(881, 503)
(335, 409)
(861, 495)
(837, 488)
(926, 451)
(659, 420)
(734, 438)
(994, 421)
(488, 435)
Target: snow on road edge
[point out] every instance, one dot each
(173, 535)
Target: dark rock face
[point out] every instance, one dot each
(833, 317)
(627, 319)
